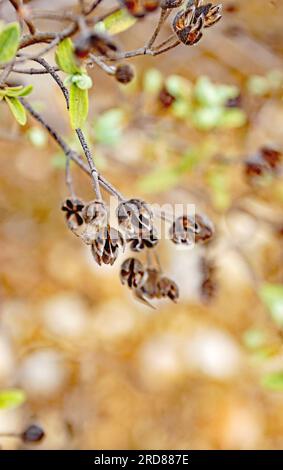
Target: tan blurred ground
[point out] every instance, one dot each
(100, 370)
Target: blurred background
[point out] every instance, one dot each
(100, 370)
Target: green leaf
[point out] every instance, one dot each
(78, 106)
(273, 381)
(83, 81)
(258, 85)
(206, 119)
(18, 91)
(9, 42)
(210, 94)
(232, 118)
(179, 86)
(272, 297)
(116, 22)
(17, 109)
(108, 127)
(11, 398)
(65, 58)
(152, 81)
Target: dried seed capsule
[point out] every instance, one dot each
(180, 232)
(143, 239)
(139, 8)
(150, 288)
(151, 5)
(105, 248)
(271, 156)
(167, 288)
(95, 216)
(33, 433)
(134, 215)
(208, 285)
(95, 213)
(187, 229)
(171, 3)
(73, 208)
(187, 27)
(133, 273)
(124, 73)
(165, 98)
(189, 22)
(266, 161)
(202, 228)
(88, 42)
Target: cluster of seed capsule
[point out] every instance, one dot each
(146, 282)
(188, 24)
(135, 219)
(267, 161)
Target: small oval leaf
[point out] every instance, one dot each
(17, 109)
(11, 398)
(20, 91)
(65, 58)
(116, 22)
(78, 106)
(9, 42)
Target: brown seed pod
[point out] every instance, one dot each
(133, 273)
(140, 8)
(202, 228)
(73, 208)
(89, 42)
(180, 232)
(143, 239)
(171, 3)
(95, 213)
(165, 98)
(188, 229)
(150, 289)
(95, 217)
(124, 73)
(188, 30)
(208, 285)
(134, 215)
(271, 156)
(33, 434)
(167, 288)
(105, 248)
(265, 161)
(189, 22)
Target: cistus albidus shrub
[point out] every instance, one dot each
(90, 39)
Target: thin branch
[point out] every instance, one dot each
(163, 17)
(18, 5)
(92, 167)
(109, 69)
(51, 70)
(73, 155)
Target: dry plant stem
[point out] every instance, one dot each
(93, 170)
(74, 156)
(18, 5)
(92, 7)
(163, 17)
(109, 69)
(87, 152)
(164, 43)
(33, 71)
